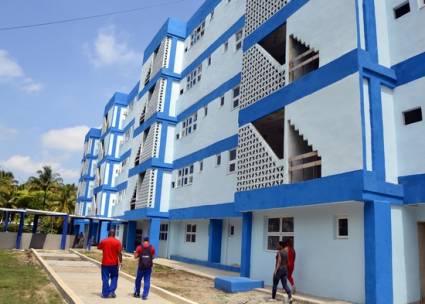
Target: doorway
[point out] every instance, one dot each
(421, 246)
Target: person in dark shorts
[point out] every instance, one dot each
(111, 258)
(281, 271)
(145, 253)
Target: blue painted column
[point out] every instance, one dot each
(90, 235)
(246, 244)
(64, 231)
(6, 221)
(131, 237)
(103, 230)
(154, 233)
(377, 128)
(215, 233)
(378, 252)
(20, 230)
(35, 223)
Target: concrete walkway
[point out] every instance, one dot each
(84, 279)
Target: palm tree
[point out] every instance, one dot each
(65, 198)
(8, 186)
(45, 181)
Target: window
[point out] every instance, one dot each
(163, 232)
(181, 91)
(236, 94)
(197, 33)
(232, 161)
(212, 15)
(238, 38)
(279, 229)
(412, 116)
(189, 124)
(226, 46)
(402, 10)
(222, 99)
(185, 176)
(231, 230)
(201, 166)
(205, 110)
(190, 233)
(178, 136)
(342, 227)
(194, 77)
(218, 159)
(209, 60)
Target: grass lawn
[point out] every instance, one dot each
(23, 281)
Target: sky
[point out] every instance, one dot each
(55, 80)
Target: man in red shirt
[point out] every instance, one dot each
(145, 253)
(112, 256)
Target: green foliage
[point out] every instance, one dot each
(46, 191)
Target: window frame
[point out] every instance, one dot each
(395, 8)
(191, 233)
(163, 232)
(411, 110)
(185, 176)
(218, 160)
(232, 161)
(280, 234)
(237, 97)
(337, 222)
(239, 40)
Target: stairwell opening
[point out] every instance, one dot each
(272, 129)
(304, 162)
(302, 59)
(275, 44)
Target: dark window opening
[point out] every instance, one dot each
(343, 227)
(402, 10)
(271, 129)
(303, 59)
(275, 44)
(412, 116)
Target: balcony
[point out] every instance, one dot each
(156, 99)
(149, 147)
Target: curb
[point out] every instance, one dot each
(69, 296)
(158, 290)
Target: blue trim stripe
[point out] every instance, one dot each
(206, 8)
(326, 75)
(273, 23)
(214, 46)
(216, 93)
(410, 69)
(205, 211)
(216, 148)
(150, 163)
(158, 117)
(414, 188)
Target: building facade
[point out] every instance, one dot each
(258, 121)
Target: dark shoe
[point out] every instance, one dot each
(104, 297)
(136, 295)
(144, 298)
(113, 295)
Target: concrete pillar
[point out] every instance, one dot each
(215, 232)
(6, 221)
(378, 252)
(90, 235)
(35, 223)
(154, 233)
(130, 245)
(64, 231)
(20, 230)
(246, 244)
(103, 230)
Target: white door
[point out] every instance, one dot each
(163, 240)
(232, 244)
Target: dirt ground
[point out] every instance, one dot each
(190, 286)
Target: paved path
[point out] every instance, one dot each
(84, 279)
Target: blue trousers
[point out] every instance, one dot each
(144, 274)
(109, 273)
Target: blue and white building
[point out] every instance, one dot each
(86, 182)
(261, 120)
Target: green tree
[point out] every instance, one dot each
(46, 180)
(64, 199)
(8, 187)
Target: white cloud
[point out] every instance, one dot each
(10, 70)
(67, 139)
(25, 166)
(108, 50)
(9, 67)
(6, 133)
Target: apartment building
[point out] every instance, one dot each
(258, 121)
(84, 205)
